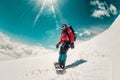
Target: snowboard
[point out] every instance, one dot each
(58, 69)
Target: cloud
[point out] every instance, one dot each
(102, 9)
(113, 9)
(86, 34)
(19, 50)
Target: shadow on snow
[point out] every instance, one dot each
(76, 63)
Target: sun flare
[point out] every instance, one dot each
(46, 5)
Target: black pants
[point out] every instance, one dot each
(63, 54)
(64, 48)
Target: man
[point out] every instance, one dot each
(66, 41)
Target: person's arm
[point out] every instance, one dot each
(59, 42)
(71, 37)
(57, 45)
(61, 38)
(71, 40)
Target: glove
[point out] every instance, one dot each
(57, 46)
(72, 45)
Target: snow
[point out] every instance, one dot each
(96, 59)
(109, 43)
(42, 68)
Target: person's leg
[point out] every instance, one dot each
(59, 59)
(62, 57)
(63, 60)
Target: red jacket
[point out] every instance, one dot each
(64, 36)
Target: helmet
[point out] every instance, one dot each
(64, 27)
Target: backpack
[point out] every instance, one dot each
(73, 32)
(75, 36)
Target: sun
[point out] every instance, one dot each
(48, 2)
(45, 5)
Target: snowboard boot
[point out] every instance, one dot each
(62, 65)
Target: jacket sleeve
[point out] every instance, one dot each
(71, 37)
(60, 41)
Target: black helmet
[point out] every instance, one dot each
(64, 25)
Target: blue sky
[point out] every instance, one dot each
(38, 21)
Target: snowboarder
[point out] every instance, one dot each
(67, 39)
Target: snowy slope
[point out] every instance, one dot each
(96, 59)
(109, 43)
(41, 68)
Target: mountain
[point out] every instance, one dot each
(14, 50)
(96, 59)
(109, 43)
